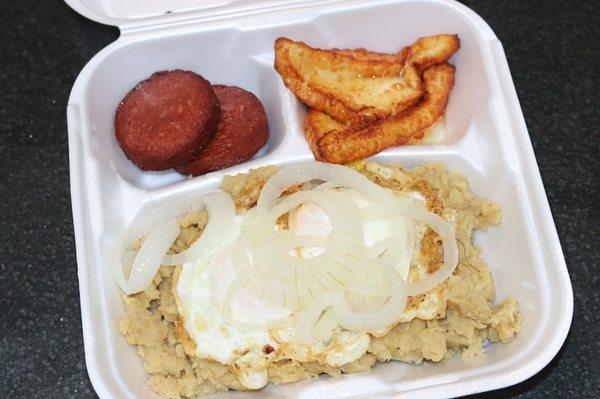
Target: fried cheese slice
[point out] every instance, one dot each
(356, 89)
(336, 142)
(382, 64)
(426, 52)
(358, 86)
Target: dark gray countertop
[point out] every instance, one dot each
(551, 48)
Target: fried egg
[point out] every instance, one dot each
(203, 285)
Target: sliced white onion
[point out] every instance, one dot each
(381, 318)
(222, 227)
(118, 270)
(446, 231)
(149, 257)
(308, 319)
(307, 171)
(127, 261)
(271, 257)
(324, 326)
(329, 185)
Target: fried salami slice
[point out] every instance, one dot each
(166, 119)
(242, 131)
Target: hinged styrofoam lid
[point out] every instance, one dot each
(123, 13)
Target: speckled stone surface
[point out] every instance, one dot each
(553, 52)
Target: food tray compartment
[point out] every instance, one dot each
(234, 56)
(484, 141)
(226, 63)
(500, 244)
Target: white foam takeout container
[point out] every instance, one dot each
(231, 42)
